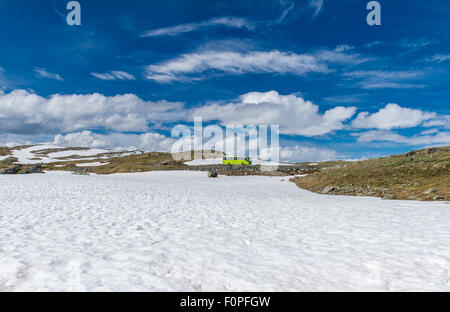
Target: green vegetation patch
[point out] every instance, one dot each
(417, 175)
(5, 151)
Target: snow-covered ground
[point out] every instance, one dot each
(204, 162)
(92, 164)
(31, 155)
(81, 153)
(181, 231)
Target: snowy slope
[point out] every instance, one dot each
(26, 155)
(181, 231)
(85, 153)
(30, 155)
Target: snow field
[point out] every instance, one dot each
(180, 231)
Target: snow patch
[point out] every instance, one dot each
(86, 153)
(29, 156)
(92, 164)
(204, 162)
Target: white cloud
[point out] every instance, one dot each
(429, 131)
(233, 63)
(390, 117)
(375, 43)
(227, 21)
(235, 22)
(390, 85)
(82, 139)
(42, 72)
(439, 121)
(414, 44)
(191, 66)
(147, 142)
(292, 113)
(12, 144)
(290, 13)
(316, 5)
(303, 153)
(155, 142)
(439, 58)
(390, 136)
(114, 75)
(23, 112)
(283, 14)
(395, 75)
(4, 82)
(377, 79)
(353, 98)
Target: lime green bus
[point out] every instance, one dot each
(237, 161)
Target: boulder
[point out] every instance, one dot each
(328, 189)
(11, 170)
(429, 191)
(212, 174)
(80, 173)
(33, 169)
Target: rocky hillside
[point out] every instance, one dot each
(416, 175)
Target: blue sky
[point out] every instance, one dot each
(337, 87)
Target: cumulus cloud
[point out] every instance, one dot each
(42, 72)
(23, 112)
(191, 66)
(147, 142)
(392, 116)
(303, 153)
(294, 114)
(82, 139)
(12, 144)
(114, 75)
(151, 142)
(391, 136)
(227, 21)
